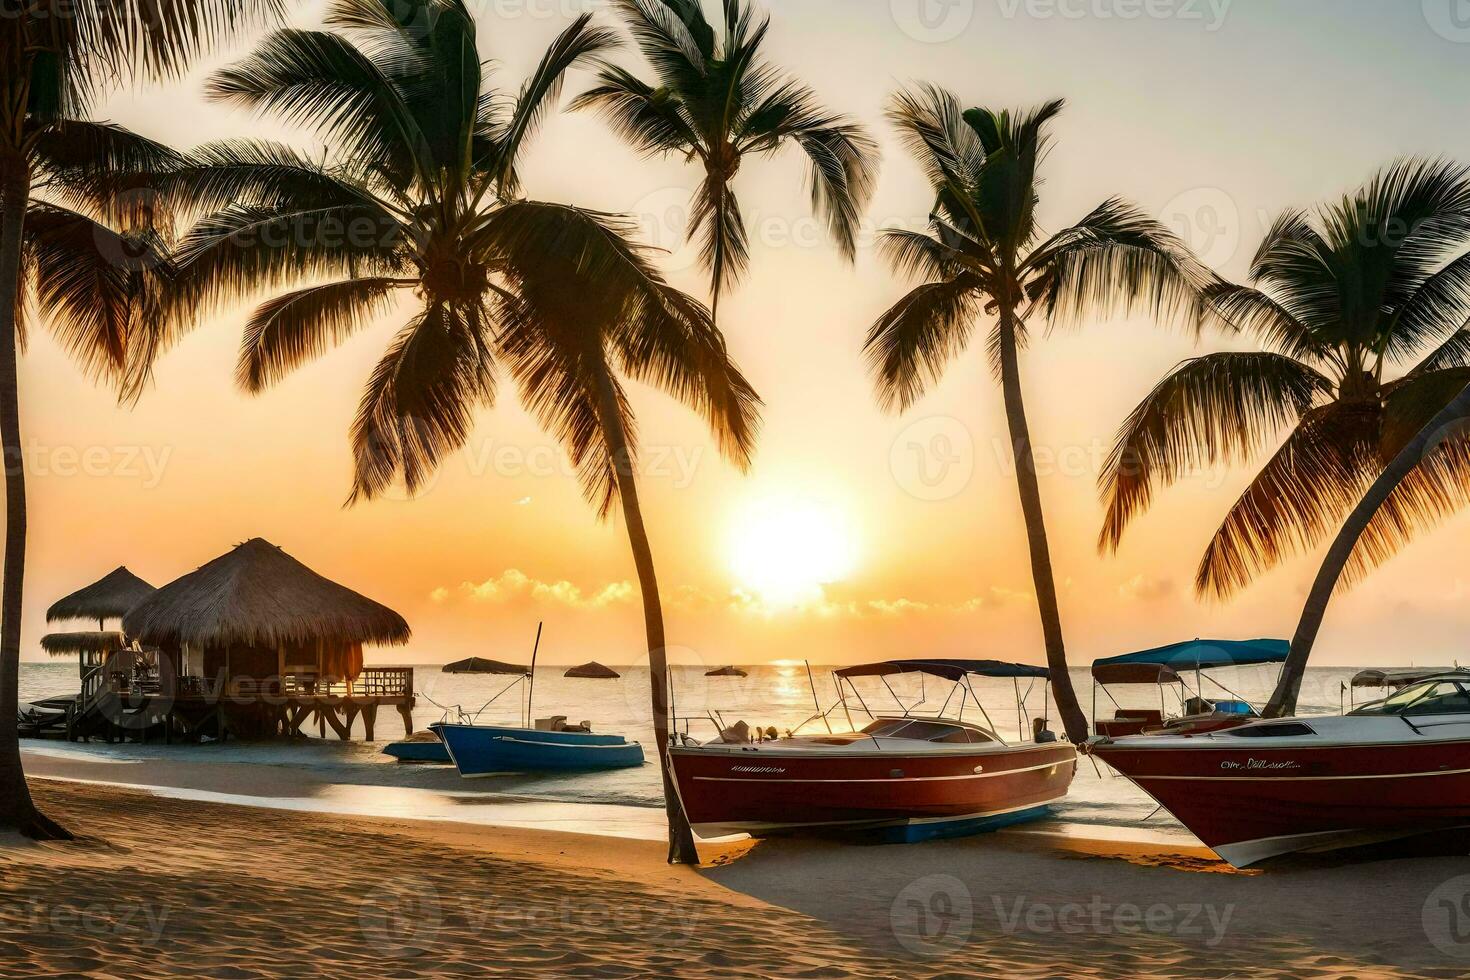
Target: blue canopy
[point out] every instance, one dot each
(1203, 654)
(949, 669)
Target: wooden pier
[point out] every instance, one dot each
(114, 707)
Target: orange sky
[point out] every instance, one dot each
(1214, 125)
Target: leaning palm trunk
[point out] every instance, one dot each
(681, 838)
(1283, 700)
(17, 811)
(1041, 573)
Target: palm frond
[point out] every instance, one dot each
(1253, 312)
(910, 345)
(1437, 488)
(676, 41)
(146, 38)
(1118, 259)
(555, 367)
(257, 173)
(241, 249)
(1437, 309)
(99, 291)
(420, 401)
(841, 153)
(724, 248)
(649, 119)
(915, 254)
(293, 328)
(1300, 495)
(1215, 409)
(580, 42)
(321, 80)
(932, 127)
(1453, 353)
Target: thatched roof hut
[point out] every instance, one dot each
(257, 599)
(110, 597)
(480, 665)
(593, 669)
(104, 642)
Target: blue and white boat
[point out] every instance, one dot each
(550, 745)
(489, 750)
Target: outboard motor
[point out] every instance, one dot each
(1039, 731)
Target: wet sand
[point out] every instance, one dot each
(173, 887)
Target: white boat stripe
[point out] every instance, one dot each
(889, 779)
(1277, 779)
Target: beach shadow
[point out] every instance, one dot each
(1011, 893)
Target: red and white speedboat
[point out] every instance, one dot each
(1388, 770)
(905, 776)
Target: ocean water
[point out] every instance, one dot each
(772, 695)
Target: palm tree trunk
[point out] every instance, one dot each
(1073, 719)
(17, 811)
(681, 837)
(1283, 699)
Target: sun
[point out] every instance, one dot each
(784, 550)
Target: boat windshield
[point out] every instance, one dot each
(1426, 698)
(925, 731)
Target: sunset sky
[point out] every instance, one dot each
(856, 534)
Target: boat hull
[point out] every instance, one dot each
(482, 750)
(923, 794)
(1249, 803)
(417, 751)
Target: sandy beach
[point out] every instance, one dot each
(166, 887)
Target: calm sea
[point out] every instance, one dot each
(771, 695)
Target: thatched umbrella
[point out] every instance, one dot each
(594, 670)
(259, 596)
(480, 665)
(110, 597)
(105, 642)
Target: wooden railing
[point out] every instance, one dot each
(373, 682)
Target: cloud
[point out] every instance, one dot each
(515, 585)
(1145, 589)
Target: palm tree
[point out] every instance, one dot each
(983, 259)
(1442, 434)
(420, 203)
(717, 100)
(1361, 316)
(86, 274)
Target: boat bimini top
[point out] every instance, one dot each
(1171, 664)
